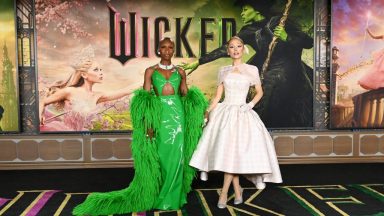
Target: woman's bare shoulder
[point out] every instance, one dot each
(151, 69)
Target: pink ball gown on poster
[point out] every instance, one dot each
(374, 78)
(76, 116)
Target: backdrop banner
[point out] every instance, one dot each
(117, 40)
(9, 94)
(357, 64)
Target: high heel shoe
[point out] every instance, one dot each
(203, 176)
(222, 205)
(259, 183)
(240, 200)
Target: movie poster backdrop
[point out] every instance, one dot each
(9, 94)
(117, 40)
(357, 64)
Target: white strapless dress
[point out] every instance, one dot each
(235, 141)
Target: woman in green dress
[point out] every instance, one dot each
(167, 119)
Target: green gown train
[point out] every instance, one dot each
(163, 176)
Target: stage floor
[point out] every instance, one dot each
(321, 189)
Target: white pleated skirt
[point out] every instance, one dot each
(237, 142)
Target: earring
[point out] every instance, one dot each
(158, 52)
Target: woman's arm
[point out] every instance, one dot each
(127, 90)
(60, 95)
(254, 101)
(375, 37)
(216, 99)
(148, 79)
(116, 94)
(147, 86)
(291, 33)
(258, 95)
(183, 85)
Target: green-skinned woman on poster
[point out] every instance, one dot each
(167, 119)
(287, 82)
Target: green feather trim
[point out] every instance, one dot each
(145, 186)
(195, 105)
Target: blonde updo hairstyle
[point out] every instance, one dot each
(81, 63)
(246, 50)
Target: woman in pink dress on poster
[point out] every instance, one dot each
(374, 78)
(235, 140)
(75, 98)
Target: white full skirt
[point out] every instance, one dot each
(237, 142)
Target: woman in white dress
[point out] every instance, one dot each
(235, 140)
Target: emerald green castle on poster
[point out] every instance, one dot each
(8, 97)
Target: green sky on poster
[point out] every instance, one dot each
(8, 28)
(6, 10)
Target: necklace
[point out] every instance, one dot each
(166, 67)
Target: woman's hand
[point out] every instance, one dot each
(42, 119)
(280, 32)
(190, 67)
(150, 133)
(41, 112)
(206, 118)
(247, 107)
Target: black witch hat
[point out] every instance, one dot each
(263, 6)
